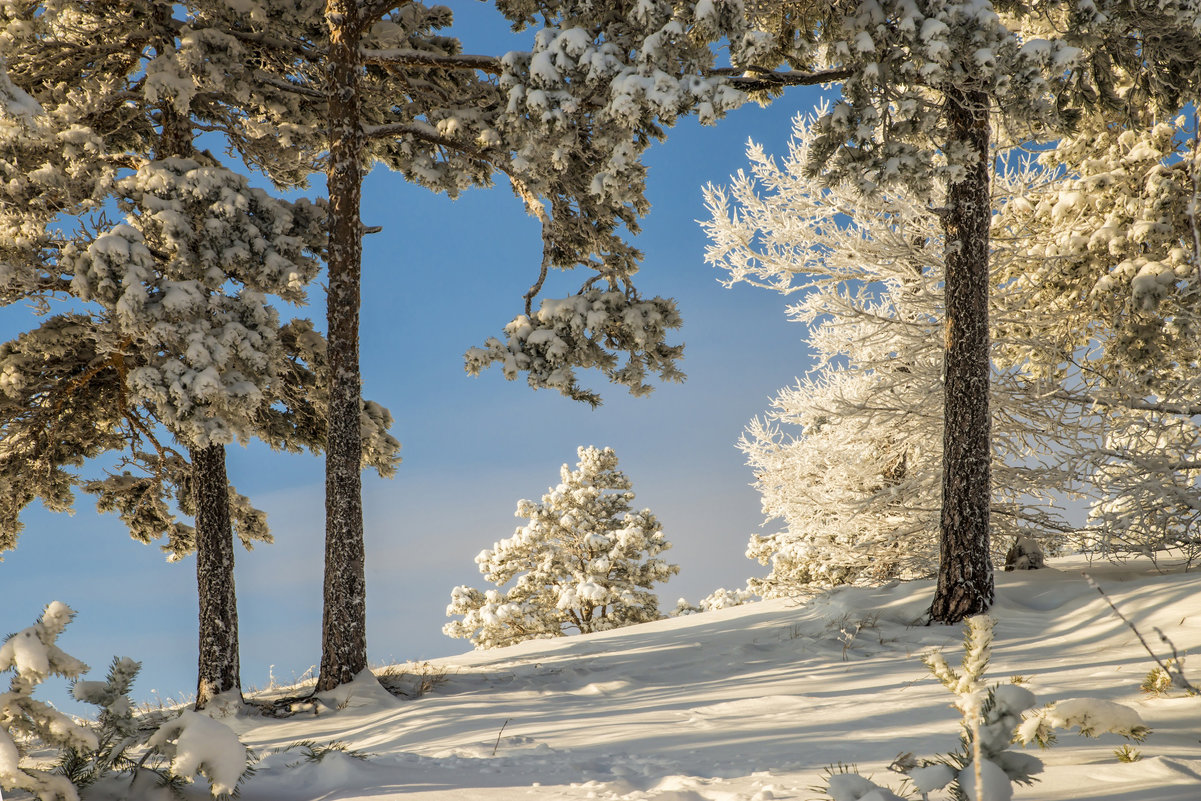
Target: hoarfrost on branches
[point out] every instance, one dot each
(850, 457)
(1110, 251)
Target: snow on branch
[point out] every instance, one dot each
(587, 330)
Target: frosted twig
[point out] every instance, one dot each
(1172, 669)
(498, 734)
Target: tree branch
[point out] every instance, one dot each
(1138, 404)
(426, 133)
(287, 86)
(755, 79)
(419, 58)
(374, 10)
(310, 53)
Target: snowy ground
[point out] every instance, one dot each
(751, 703)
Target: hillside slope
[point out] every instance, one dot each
(751, 703)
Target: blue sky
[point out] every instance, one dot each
(443, 276)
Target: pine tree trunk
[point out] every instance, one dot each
(218, 669)
(344, 619)
(965, 573)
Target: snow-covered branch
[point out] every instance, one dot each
(420, 58)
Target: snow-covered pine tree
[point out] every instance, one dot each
(925, 84)
(179, 331)
(566, 123)
(858, 486)
(584, 561)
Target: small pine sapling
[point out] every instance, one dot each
(33, 655)
(116, 730)
(983, 768)
(1127, 753)
(584, 561)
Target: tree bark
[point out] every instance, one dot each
(218, 668)
(965, 571)
(344, 619)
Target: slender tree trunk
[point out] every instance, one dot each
(965, 572)
(344, 620)
(218, 669)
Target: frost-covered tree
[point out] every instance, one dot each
(583, 562)
(850, 459)
(925, 85)
(178, 330)
(1110, 250)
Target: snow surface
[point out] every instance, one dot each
(753, 702)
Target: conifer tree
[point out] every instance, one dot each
(924, 86)
(178, 331)
(584, 561)
(566, 123)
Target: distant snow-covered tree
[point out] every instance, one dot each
(584, 561)
(850, 459)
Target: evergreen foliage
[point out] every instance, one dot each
(116, 730)
(33, 655)
(176, 326)
(584, 561)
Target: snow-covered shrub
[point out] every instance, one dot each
(718, 599)
(192, 742)
(983, 768)
(584, 561)
(33, 656)
(198, 745)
